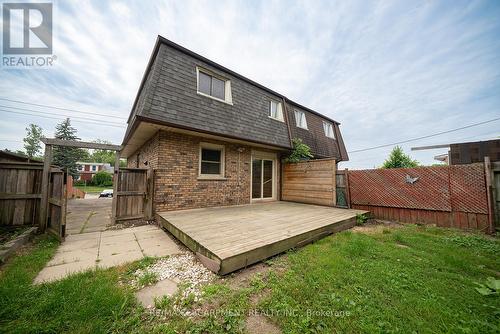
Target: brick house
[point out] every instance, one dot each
(86, 170)
(214, 137)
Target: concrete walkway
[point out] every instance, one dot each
(88, 215)
(81, 252)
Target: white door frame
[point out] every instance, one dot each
(264, 156)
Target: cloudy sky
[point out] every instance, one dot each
(387, 70)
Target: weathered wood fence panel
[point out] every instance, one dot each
(20, 193)
(311, 182)
(132, 193)
(56, 213)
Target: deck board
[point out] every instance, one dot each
(237, 236)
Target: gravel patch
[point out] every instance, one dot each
(184, 269)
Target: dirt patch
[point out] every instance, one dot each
(243, 277)
(8, 233)
(374, 226)
(257, 324)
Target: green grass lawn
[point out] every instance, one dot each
(391, 280)
(93, 189)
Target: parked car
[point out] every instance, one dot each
(106, 193)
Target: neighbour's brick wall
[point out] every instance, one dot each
(177, 185)
(448, 196)
(148, 154)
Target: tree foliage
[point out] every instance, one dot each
(300, 151)
(105, 156)
(66, 157)
(32, 144)
(102, 179)
(398, 159)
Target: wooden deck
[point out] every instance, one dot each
(229, 238)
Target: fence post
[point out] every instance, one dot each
(347, 189)
(42, 222)
(116, 174)
(489, 194)
(148, 212)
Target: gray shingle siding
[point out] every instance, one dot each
(168, 95)
(173, 98)
(321, 145)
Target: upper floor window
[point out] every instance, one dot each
(94, 168)
(211, 160)
(275, 110)
(214, 86)
(80, 167)
(328, 127)
(300, 119)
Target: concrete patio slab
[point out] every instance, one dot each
(162, 288)
(88, 251)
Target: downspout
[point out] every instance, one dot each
(287, 121)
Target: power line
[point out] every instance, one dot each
(59, 108)
(51, 113)
(58, 118)
(12, 141)
(424, 137)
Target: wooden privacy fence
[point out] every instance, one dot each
(311, 182)
(20, 193)
(132, 198)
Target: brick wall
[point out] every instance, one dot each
(449, 196)
(147, 154)
(176, 177)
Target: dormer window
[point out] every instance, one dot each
(275, 110)
(328, 128)
(214, 86)
(300, 119)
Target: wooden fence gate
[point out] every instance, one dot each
(133, 198)
(56, 213)
(342, 189)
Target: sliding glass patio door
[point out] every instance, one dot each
(262, 178)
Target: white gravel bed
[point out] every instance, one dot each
(183, 269)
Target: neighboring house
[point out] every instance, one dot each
(86, 170)
(6, 156)
(466, 153)
(215, 137)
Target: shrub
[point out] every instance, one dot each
(102, 179)
(300, 151)
(79, 183)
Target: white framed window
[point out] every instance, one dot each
(276, 110)
(211, 161)
(80, 168)
(213, 85)
(94, 168)
(328, 128)
(300, 119)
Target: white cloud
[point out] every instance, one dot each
(388, 70)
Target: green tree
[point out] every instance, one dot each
(398, 159)
(102, 179)
(32, 144)
(105, 156)
(300, 151)
(66, 157)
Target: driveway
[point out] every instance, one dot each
(88, 215)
